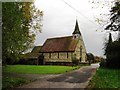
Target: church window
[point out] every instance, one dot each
(49, 55)
(58, 54)
(80, 59)
(80, 50)
(67, 55)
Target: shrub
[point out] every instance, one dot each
(103, 63)
(28, 61)
(113, 55)
(11, 61)
(90, 57)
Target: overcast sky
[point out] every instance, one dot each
(59, 20)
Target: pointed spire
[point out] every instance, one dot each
(76, 30)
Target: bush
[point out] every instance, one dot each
(113, 62)
(28, 62)
(22, 61)
(90, 57)
(113, 55)
(11, 61)
(103, 63)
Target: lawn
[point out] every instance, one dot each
(105, 78)
(33, 69)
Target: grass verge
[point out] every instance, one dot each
(10, 82)
(105, 78)
(33, 69)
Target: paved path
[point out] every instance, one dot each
(75, 79)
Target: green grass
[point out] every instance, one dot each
(33, 69)
(10, 82)
(105, 78)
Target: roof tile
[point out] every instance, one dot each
(60, 44)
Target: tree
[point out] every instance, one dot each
(18, 18)
(112, 49)
(90, 57)
(115, 18)
(113, 55)
(108, 44)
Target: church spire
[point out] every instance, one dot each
(76, 30)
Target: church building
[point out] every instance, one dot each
(64, 49)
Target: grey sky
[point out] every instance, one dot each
(59, 20)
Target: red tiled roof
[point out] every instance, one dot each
(60, 44)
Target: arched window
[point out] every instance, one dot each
(80, 51)
(58, 54)
(49, 55)
(67, 55)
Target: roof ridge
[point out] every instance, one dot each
(59, 37)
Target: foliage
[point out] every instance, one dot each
(103, 63)
(112, 51)
(108, 44)
(98, 59)
(32, 69)
(105, 78)
(27, 62)
(18, 19)
(115, 14)
(113, 48)
(10, 82)
(90, 57)
(113, 55)
(115, 18)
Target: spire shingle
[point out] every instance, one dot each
(76, 30)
